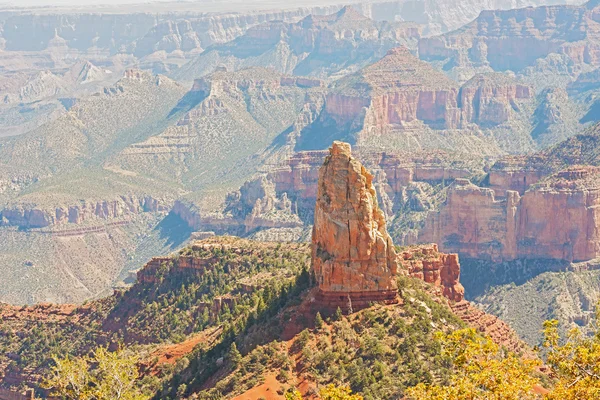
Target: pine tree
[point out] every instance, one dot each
(338, 314)
(318, 321)
(234, 355)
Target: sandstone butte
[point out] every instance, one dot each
(353, 255)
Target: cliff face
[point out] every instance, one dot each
(182, 27)
(353, 256)
(394, 173)
(515, 39)
(399, 89)
(141, 33)
(490, 99)
(25, 216)
(556, 218)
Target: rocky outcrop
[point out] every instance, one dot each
(353, 256)
(256, 206)
(490, 99)
(493, 327)
(441, 270)
(556, 218)
(284, 196)
(586, 81)
(397, 90)
(394, 172)
(259, 206)
(517, 173)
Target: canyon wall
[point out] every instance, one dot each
(555, 219)
(394, 171)
(289, 189)
(425, 262)
(401, 93)
(183, 28)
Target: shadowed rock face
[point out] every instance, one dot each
(353, 254)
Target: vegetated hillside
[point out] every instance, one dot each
(379, 352)
(53, 176)
(134, 149)
(133, 109)
(85, 261)
(319, 46)
(582, 149)
(185, 311)
(171, 300)
(31, 98)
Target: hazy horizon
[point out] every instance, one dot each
(124, 6)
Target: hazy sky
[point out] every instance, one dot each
(176, 5)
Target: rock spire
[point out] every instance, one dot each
(353, 255)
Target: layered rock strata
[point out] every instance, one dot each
(314, 46)
(353, 255)
(294, 180)
(499, 331)
(33, 216)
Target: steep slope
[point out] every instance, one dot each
(53, 180)
(554, 49)
(84, 261)
(566, 294)
(353, 255)
(96, 125)
(261, 296)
